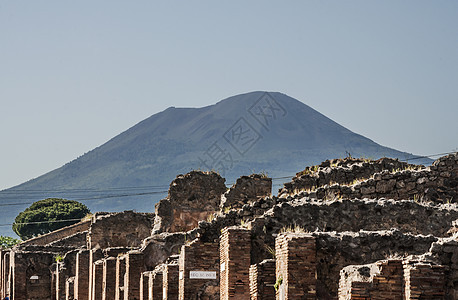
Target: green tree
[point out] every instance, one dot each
(7, 242)
(48, 215)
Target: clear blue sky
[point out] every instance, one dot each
(73, 74)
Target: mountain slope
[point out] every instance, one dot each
(256, 131)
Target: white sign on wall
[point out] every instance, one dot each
(202, 274)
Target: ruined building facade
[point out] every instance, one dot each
(345, 229)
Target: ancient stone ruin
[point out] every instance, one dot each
(345, 229)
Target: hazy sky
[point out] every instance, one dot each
(74, 74)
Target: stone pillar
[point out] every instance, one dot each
(423, 281)
(155, 284)
(144, 279)
(135, 265)
(109, 279)
(97, 280)
(170, 282)
(70, 288)
(295, 266)
(82, 275)
(94, 255)
(120, 272)
(199, 270)
(262, 280)
(235, 248)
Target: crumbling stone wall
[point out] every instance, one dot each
(437, 183)
(395, 279)
(341, 171)
(192, 197)
(57, 235)
(124, 229)
(246, 189)
(380, 280)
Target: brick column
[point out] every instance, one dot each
(97, 280)
(155, 284)
(423, 281)
(296, 266)
(70, 288)
(109, 279)
(199, 270)
(2, 275)
(82, 275)
(135, 265)
(120, 272)
(170, 282)
(94, 255)
(235, 248)
(144, 279)
(262, 280)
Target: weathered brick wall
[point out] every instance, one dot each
(235, 263)
(296, 266)
(58, 234)
(191, 198)
(97, 280)
(262, 280)
(170, 278)
(246, 189)
(159, 247)
(203, 258)
(120, 272)
(26, 265)
(134, 267)
(82, 275)
(77, 240)
(423, 281)
(382, 280)
(109, 278)
(349, 215)
(124, 229)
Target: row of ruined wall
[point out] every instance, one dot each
(386, 178)
(131, 256)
